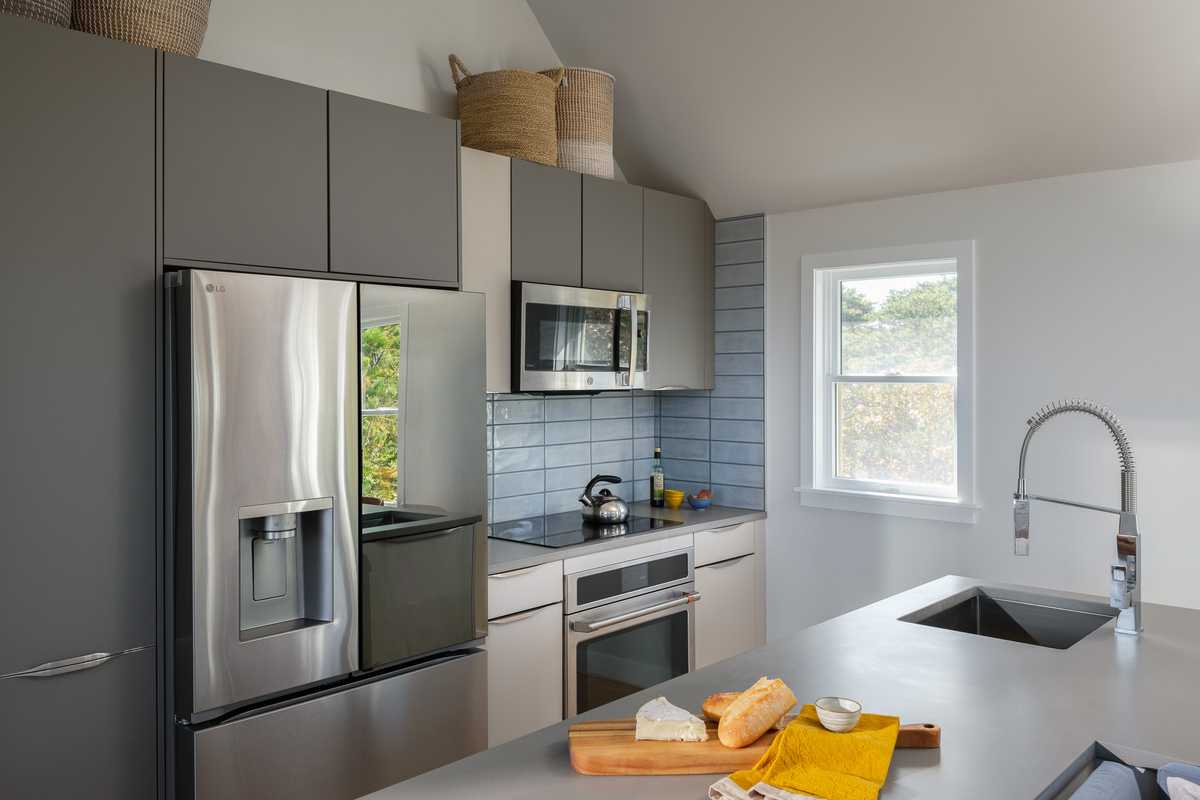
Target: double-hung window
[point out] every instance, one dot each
(891, 391)
(380, 368)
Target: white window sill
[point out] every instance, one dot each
(935, 508)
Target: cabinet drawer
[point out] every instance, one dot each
(723, 543)
(525, 674)
(522, 589)
(725, 615)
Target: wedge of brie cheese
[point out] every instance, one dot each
(660, 721)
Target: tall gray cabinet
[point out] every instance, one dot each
(77, 479)
(245, 175)
(612, 235)
(679, 279)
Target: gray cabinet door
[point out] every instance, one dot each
(393, 191)
(77, 321)
(82, 734)
(244, 167)
(546, 232)
(612, 235)
(679, 280)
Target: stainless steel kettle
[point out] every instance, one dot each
(604, 507)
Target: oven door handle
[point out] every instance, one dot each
(591, 627)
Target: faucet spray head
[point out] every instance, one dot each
(1021, 524)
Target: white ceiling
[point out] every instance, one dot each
(775, 105)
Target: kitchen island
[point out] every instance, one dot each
(1014, 716)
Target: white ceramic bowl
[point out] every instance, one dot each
(838, 714)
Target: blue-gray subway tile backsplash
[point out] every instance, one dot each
(565, 455)
(686, 470)
(608, 429)
(517, 411)
(737, 408)
(739, 252)
(684, 428)
(567, 432)
(733, 430)
(737, 229)
(549, 447)
(738, 319)
(739, 475)
(739, 363)
(695, 449)
(514, 483)
(738, 496)
(739, 275)
(740, 297)
(685, 407)
(520, 435)
(560, 409)
(738, 453)
(738, 342)
(738, 386)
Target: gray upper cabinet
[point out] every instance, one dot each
(393, 191)
(244, 167)
(679, 280)
(612, 235)
(546, 219)
(77, 479)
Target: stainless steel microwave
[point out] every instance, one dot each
(567, 339)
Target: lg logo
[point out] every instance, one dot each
(213, 287)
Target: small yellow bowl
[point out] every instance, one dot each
(673, 498)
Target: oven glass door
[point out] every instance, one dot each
(619, 659)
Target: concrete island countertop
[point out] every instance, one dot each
(504, 555)
(1013, 716)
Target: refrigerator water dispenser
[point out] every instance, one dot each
(286, 555)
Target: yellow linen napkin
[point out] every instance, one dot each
(806, 759)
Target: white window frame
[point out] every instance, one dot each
(820, 277)
(398, 410)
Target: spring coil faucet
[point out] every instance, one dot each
(1125, 592)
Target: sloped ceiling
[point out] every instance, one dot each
(775, 105)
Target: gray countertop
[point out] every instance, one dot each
(1013, 716)
(504, 555)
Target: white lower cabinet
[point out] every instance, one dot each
(525, 672)
(726, 616)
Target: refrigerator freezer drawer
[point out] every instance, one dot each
(347, 743)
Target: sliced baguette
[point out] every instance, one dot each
(715, 704)
(754, 711)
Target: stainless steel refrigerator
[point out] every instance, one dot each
(270, 395)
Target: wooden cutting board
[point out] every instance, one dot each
(607, 747)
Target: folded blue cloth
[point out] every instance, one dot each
(1188, 772)
(1110, 781)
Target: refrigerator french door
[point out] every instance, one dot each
(270, 697)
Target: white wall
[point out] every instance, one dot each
(1087, 286)
(389, 50)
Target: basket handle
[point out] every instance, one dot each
(457, 67)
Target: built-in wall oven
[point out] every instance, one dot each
(628, 626)
(568, 339)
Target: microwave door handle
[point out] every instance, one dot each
(599, 625)
(625, 302)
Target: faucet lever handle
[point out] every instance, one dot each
(1020, 525)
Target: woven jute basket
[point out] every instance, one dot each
(52, 12)
(176, 26)
(509, 111)
(584, 109)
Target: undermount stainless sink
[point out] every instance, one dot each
(1042, 620)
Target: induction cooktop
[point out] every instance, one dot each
(570, 528)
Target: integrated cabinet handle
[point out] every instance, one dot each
(516, 573)
(63, 666)
(517, 617)
(599, 625)
(727, 527)
(728, 562)
(672, 388)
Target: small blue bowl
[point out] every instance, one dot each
(699, 503)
